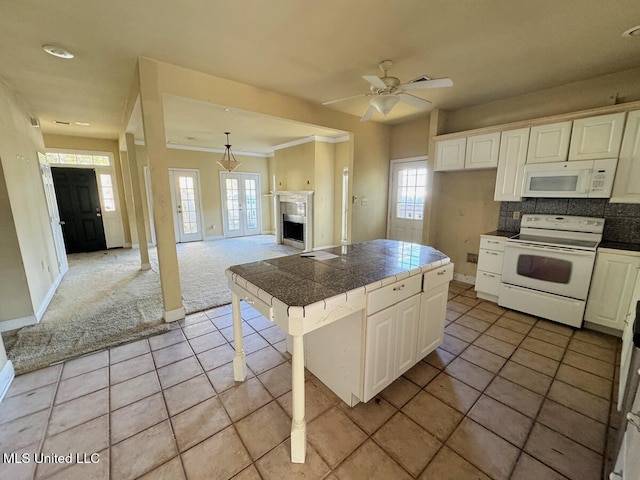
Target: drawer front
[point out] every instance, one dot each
(487, 282)
(394, 293)
(492, 243)
(490, 261)
(437, 277)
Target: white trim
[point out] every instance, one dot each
(174, 315)
(293, 143)
(215, 150)
(15, 323)
(7, 374)
(461, 277)
(48, 297)
(311, 138)
(419, 158)
(213, 238)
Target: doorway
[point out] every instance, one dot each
(241, 205)
(185, 195)
(78, 201)
(407, 193)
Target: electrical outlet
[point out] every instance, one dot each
(516, 215)
(472, 257)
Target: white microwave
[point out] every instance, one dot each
(578, 179)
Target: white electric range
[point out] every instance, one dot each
(547, 267)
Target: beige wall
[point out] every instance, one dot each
(209, 172)
(28, 264)
(410, 139)
(591, 93)
(294, 167)
(323, 234)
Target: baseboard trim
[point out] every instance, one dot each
(214, 237)
(461, 277)
(7, 374)
(48, 297)
(15, 323)
(174, 315)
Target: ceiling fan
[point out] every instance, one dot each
(388, 91)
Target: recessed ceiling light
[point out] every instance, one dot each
(82, 124)
(61, 122)
(58, 51)
(632, 32)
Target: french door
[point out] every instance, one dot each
(241, 206)
(185, 195)
(408, 188)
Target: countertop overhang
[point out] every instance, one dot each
(303, 280)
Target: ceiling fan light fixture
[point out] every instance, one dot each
(228, 160)
(384, 103)
(59, 52)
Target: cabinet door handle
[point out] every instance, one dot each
(634, 419)
(488, 275)
(401, 287)
(491, 253)
(493, 241)
(441, 273)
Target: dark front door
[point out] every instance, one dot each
(79, 205)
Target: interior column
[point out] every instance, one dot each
(137, 202)
(155, 139)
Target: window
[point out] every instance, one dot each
(410, 195)
(77, 159)
(106, 186)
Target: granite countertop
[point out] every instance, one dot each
(501, 233)
(306, 278)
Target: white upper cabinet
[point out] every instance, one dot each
(511, 160)
(626, 187)
(450, 154)
(596, 137)
(482, 151)
(549, 143)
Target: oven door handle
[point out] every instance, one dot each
(569, 251)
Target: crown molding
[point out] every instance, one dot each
(312, 138)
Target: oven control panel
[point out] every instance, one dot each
(568, 223)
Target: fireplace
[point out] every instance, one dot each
(294, 219)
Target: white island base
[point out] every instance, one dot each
(357, 342)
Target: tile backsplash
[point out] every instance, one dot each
(622, 220)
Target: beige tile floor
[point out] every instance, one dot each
(507, 396)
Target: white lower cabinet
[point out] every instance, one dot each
(360, 355)
(612, 283)
(489, 273)
(390, 345)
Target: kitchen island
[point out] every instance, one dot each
(362, 314)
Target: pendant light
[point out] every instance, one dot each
(228, 161)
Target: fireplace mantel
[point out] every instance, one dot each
(295, 196)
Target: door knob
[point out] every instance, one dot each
(62, 222)
(98, 214)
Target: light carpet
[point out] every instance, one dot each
(105, 299)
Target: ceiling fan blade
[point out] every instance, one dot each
(413, 100)
(368, 114)
(375, 81)
(344, 99)
(421, 84)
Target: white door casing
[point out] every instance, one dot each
(185, 196)
(241, 204)
(407, 194)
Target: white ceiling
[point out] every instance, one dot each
(315, 50)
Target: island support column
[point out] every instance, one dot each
(298, 424)
(238, 358)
